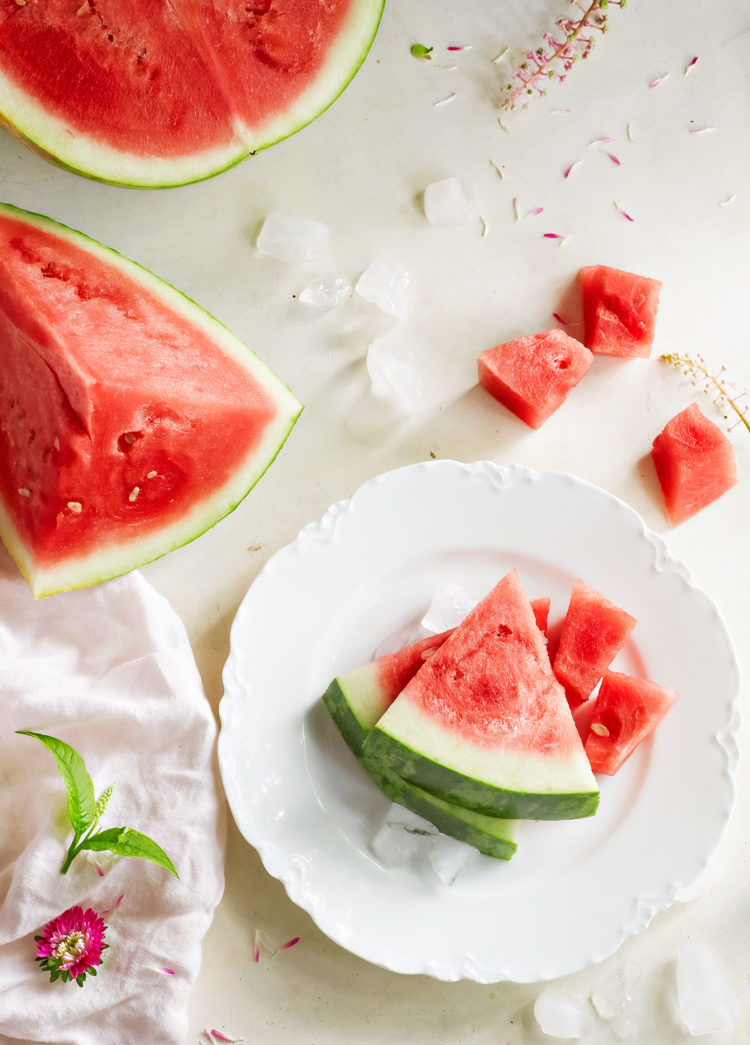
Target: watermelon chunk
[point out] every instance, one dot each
(593, 632)
(694, 461)
(540, 609)
(532, 375)
(485, 724)
(169, 91)
(619, 311)
(625, 712)
(130, 419)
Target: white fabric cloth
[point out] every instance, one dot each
(109, 670)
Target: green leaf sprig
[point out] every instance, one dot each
(85, 811)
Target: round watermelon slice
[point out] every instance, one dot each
(173, 91)
(130, 420)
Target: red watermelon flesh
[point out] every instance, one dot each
(394, 670)
(540, 609)
(532, 375)
(167, 91)
(619, 311)
(625, 712)
(593, 632)
(130, 420)
(695, 463)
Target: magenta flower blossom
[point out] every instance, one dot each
(71, 945)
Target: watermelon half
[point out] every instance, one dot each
(485, 724)
(171, 91)
(130, 419)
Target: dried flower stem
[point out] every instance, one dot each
(573, 39)
(712, 383)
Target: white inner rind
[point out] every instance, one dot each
(128, 552)
(364, 696)
(527, 771)
(88, 155)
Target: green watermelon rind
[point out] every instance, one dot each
(385, 755)
(342, 697)
(50, 138)
(90, 569)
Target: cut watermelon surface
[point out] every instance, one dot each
(695, 463)
(625, 712)
(130, 419)
(593, 632)
(485, 724)
(532, 375)
(619, 311)
(170, 91)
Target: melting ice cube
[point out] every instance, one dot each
(449, 858)
(388, 286)
(706, 1002)
(450, 604)
(289, 238)
(447, 202)
(398, 639)
(562, 1014)
(399, 816)
(402, 835)
(325, 295)
(393, 375)
(617, 989)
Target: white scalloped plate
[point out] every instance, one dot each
(576, 889)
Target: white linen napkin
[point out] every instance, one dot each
(110, 671)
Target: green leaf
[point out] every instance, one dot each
(124, 841)
(79, 785)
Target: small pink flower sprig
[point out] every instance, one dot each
(71, 945)
(572, 40)
(715, 383)
(85, 811)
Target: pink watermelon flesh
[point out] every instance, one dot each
(118, 411)
(619, 311)
(625, 712)
(695, 463)
(593, 632)
(532, 375)
(540, 609)
(394, 670)
(176, 78)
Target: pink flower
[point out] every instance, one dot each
(71, 945)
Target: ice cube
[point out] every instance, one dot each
(398, 639)
(706, 1001)
(402, 835)
(449, 858)
(447, 202)
(562, 1014)
(617, 989)
(399, 816)
(387, 285)
(450, 604)
(393, 375)
(327, 294)
(289, 238)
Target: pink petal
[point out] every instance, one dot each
(700, 130)
(598, 141)
(289, 943)
(553, 235)
(516, 211)
(690, 65)
(614, 158)
(658, 80)
(624, 213)
(534, 212)
(160, 969)
(559, 318)
(222, 1037)
(570, 169)
(459, 47)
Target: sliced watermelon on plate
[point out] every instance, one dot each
(485, 724)
(170, 91)
(593, 632)
(619, 311)
(625, 712)
(130, 420)
(695, 463)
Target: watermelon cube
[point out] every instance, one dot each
(694, 461)
(625, 712)
(540, 609)
(532, 375)
(593, 632)
(619, 311)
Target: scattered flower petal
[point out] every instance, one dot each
(571, 168)
(289, 943)
(659, 79)
(161, 969)
(256, 946)
(485, 227)
(71, 945)
(502, 126)
(700, 130)
(630, 132)
(554, 235)
(533, 213)
(690, 65)
(614, 158)
(219, 1036)
(459, 47)
(729, 199)
(516, 211)
(498, 169)
(499, 57)
(628, 217)
(555, 111)
(560, 319)
(599, 141)
(444, 101)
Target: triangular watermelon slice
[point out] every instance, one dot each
(485, 724)
(130, 419)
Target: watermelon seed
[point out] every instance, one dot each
(24, 491)
(151, 475)
(600, 729)
(75, 506)
(134, 493)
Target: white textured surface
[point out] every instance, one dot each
(360, 169)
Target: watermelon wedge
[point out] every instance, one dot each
(130, 420)
(619, 311)
(532, 375)
(593, 632)
(357, 699)
(485, 724)
(695, 463)
(625, 712)
(171, 91)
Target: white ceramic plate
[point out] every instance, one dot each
(575, 889)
